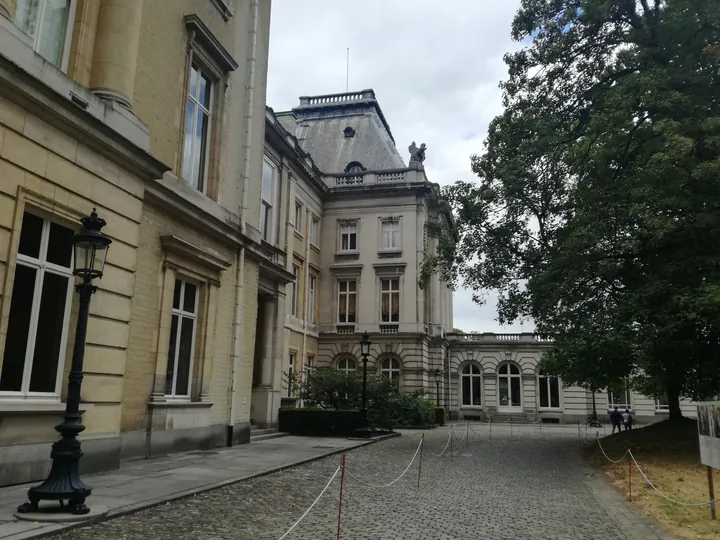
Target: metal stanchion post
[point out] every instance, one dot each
(422, 443)
(342, 483)
(711, 487)
(630, 480)
(452, 436)
(467, 432)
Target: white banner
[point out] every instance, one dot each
(709, 433)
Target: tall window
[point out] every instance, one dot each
(390, 368)
(39, 308)
(182, 340)
(267, 229)
(297, 222)
(314, 224)
(294, 292)
(291, 372)
(197, 128)
(661, 403)
(470, 379)
(390, 234)
(549, 391)
(48, 23)
(347, 365)
(390, 300)
(619, 396)
(311, 300)
(348, 237)
(347, 298)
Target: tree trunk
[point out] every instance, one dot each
(673, 395)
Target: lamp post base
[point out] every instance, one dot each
(63, 483)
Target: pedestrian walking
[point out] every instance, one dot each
(627, 420)
(616, 419)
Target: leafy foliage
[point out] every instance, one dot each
(597, 213)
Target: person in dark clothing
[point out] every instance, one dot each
(615, 419)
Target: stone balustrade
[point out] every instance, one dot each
(491, 337)
(370, 178)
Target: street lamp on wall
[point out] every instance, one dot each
(364, 429)
(64, 483)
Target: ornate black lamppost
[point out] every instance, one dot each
(64, 483)
(594, 422)
(364, 429)
(438, 378)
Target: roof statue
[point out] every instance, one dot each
(417, 155)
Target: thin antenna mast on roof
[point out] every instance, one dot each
(347, 72)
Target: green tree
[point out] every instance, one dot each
(597, 213)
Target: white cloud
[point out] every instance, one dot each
(435, 69)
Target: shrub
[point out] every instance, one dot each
(314, 422)
(439, 416)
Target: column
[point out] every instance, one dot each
(269, 312)
(117, 40)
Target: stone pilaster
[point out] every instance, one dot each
(117, 40)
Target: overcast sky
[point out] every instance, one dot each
(435, 69)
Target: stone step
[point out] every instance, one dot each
(261, 431)
(510, 418)
(266, 436)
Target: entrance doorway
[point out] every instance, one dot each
(509, 389)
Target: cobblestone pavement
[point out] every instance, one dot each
(528, 486)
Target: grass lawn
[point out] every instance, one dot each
(669, 456)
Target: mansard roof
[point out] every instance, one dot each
(338, 129)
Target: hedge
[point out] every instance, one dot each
(439, 416)
(315, 422)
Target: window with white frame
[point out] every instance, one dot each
(297, 222)
(470, 380)
(291, 372)
(311, 299)
(347, 301)
(390, 368)
(49, 24)
(39, 308)
(619, 396)
(549, 391)
(347, 365)
(390, 300)
(182, 339)
(267, 221)
(314, 226)
(196, 145)
(390, 234)
(294, 292)
(348, 237)
(661, 403)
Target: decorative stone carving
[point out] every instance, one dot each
(417, 155)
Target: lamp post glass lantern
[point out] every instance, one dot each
(364, 429)
(64, 483)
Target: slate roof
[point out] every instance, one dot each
(320, 124)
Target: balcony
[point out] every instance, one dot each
(345, 328)
(490, 337)
(389, 328)
(375, 178)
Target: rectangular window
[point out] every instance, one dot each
(311, 300)
(267, 222)
(348, 237)
(49, 24)
(291, 372)
(390, 234)
(314, 224)
(619, 397)
(39, 308)
(661, 403)
(390, 300)
(347, 300)
(294, 292)
(549, 392)
(197, 128)
(297, 223)
(182, 340)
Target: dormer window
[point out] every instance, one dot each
(355, 167)
(349, 132)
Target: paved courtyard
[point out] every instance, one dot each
(528, 485)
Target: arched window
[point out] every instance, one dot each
(470, 383)
(509, 388)
(549, 391)
(347, 365)
(354, 167)
(390, 368)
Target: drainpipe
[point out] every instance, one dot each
(240, 277)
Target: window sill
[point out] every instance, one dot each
(315, 248)
(389, 253)
(662, 411)
(471, 407)
(298, 235)
(550, 409)
(177, 403)
(29, 407)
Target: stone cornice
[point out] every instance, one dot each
(175, 244)
(210, 43)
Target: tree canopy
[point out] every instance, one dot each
(597, 209)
